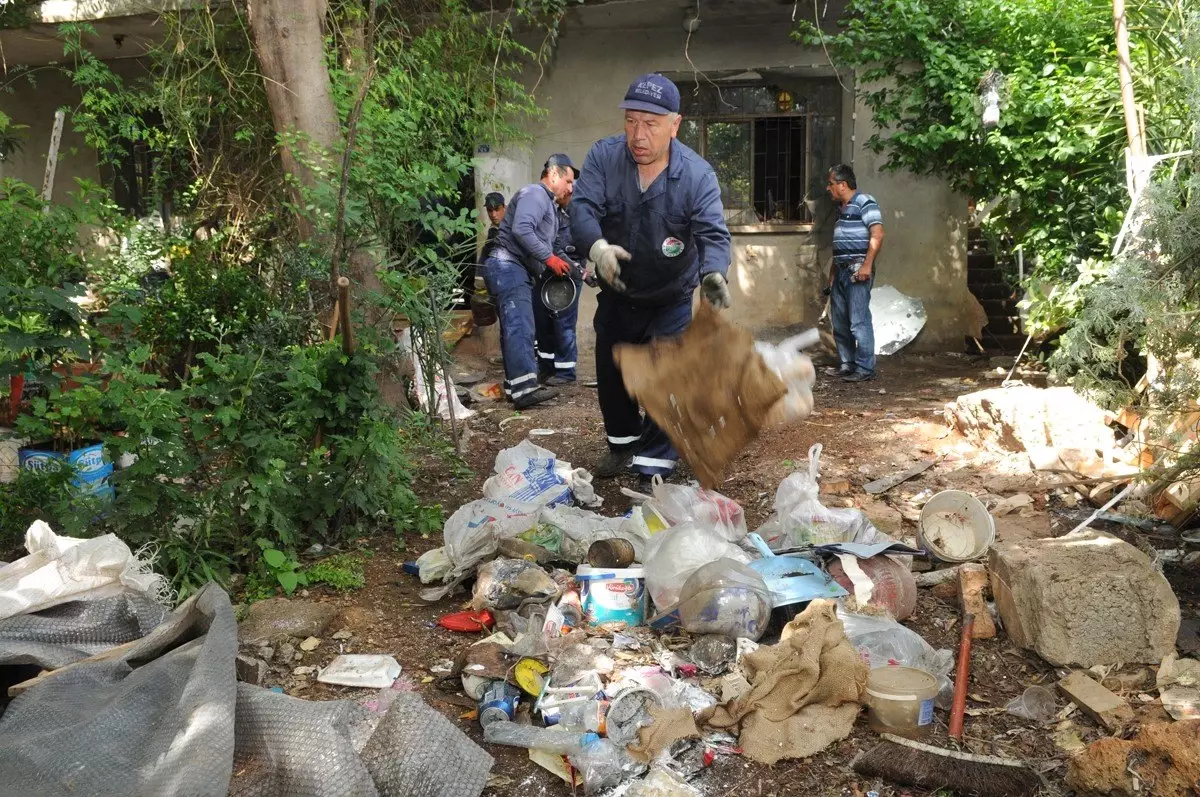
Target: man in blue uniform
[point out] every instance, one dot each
(647, 210)
(523, 252)
(557, 350)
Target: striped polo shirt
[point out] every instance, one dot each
(852, 233)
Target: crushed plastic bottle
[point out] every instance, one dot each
(550, 740)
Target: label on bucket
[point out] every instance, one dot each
(612, 596)
(926, 715)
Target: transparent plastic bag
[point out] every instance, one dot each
(689, 503)
(801, 519)
(678, 552)
(725, 597)
(882, 641)
(796, 370)
(604, 765)
(510, 583)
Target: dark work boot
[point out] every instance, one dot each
(613, 464)
(534, 398)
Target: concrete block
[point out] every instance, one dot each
(251, 670)
(972, 581)
(1084, 599)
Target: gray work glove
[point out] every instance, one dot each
(716, 290)
(607, 258)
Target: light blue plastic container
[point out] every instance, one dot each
(612, 595)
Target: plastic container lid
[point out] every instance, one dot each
(901, 683)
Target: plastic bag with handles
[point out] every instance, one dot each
(801, 519)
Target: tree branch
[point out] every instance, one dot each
(339, 235)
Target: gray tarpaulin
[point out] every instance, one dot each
(167, 717)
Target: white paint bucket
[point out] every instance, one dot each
(612, 595)
(955, 526)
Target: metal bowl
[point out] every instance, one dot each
(558, 293)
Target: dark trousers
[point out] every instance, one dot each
(557, 350)
(618, 321)
(512, 286)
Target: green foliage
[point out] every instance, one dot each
(1057, 152)
(274, 568)
(35, 495)
(40, 270)
(252, 436)
(343, 572)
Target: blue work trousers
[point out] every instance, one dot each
(557, 350)
(620, 321)
(850, 311)
(512, 286)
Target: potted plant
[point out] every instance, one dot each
(42, 337)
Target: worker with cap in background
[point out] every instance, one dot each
(494, 206)
(557, 349)
(524, 250)
(647, 210)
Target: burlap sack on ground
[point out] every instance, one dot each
(708, 389)
(669, 726)
(805, 691)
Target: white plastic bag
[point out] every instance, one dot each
(681, 550)
(445, 398)
(471, 533)
(372, 671)
(881, 641)
(530, 473)
(690, 503)
(801, 519)
(63, 569)
(791, 365)
(434, 565)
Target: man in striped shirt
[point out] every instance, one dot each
(857, 238)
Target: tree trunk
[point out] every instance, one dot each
(290, 44)
(289, 40)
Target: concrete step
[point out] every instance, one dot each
(998, 344)
(1000, 308)
(990, 291)
(980, 260)
(985, 276)
(1003, 326)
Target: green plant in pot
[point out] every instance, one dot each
(66, 429)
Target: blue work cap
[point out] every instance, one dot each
(652, 93)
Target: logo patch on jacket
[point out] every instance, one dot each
(672, 247)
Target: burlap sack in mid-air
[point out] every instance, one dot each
(708, 389)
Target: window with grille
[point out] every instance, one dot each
(770, 141)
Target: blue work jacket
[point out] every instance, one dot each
(675, 231)
(529, 229)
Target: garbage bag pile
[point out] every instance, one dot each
(635, 649)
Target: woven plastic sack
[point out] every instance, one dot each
(529, 473)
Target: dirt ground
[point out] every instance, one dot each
(867, 431)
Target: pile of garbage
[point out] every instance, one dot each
(631, 649)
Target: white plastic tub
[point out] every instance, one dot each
(955, 526)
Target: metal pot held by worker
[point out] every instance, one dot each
(558, 293)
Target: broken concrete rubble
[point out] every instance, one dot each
(1084, 599)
